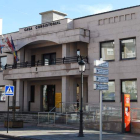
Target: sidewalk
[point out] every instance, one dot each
(53, 133)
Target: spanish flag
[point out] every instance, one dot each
(12, 42)
(11, 47)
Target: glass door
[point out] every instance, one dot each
(49, 59)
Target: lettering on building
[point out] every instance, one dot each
(42, 25)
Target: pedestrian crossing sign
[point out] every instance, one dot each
(9, 90)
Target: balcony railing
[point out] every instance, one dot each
(57, 61)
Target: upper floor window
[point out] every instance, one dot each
(109, 95)
(2, 93)
(130, 87)
(128, 48)
(107, 50)
(3, 61)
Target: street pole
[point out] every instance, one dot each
(100, 114)
(8, 115)
(81, 109)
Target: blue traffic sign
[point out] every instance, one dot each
(9, 90)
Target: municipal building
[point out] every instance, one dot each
(48, 71)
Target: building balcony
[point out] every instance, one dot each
(44, 68)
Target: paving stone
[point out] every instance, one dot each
(30, 131)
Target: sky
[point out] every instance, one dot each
(23, 13)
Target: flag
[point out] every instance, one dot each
(1, 46)
(11, 47)
(12, 42)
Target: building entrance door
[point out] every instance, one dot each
(48, 97)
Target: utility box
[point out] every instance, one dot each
(126, 122)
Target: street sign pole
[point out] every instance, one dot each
(100, 114)
(99, 65)
(9, 91)
(8, 115)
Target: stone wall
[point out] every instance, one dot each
(135, 127)
(26, 117)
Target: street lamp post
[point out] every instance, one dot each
(81, 69)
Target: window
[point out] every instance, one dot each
(107, 50)
(49, 59)
(2, 93)
(128, 48)
(3, 61)
(130, 87)
(109, 95)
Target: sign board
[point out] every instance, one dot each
(9, 90)
(101, 63)
(100, 79)
(58, 100)
(101, 71)
(100, 87)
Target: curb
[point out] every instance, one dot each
(17, 138)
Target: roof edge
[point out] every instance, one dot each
(108, 12)
(53, 11)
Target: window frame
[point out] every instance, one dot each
(5, 96)
(122, 92)
(121, 49)
(101, 49)
(109, 100)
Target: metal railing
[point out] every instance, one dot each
(66, 107)
(74, 107)
(46, 117)
(68, 113)
(65, 60)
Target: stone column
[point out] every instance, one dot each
(72, 89)
(19, 94)
(26, 95)
(68, 89)
(65, 89)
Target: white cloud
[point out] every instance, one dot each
(88, 9)
(95, 8)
